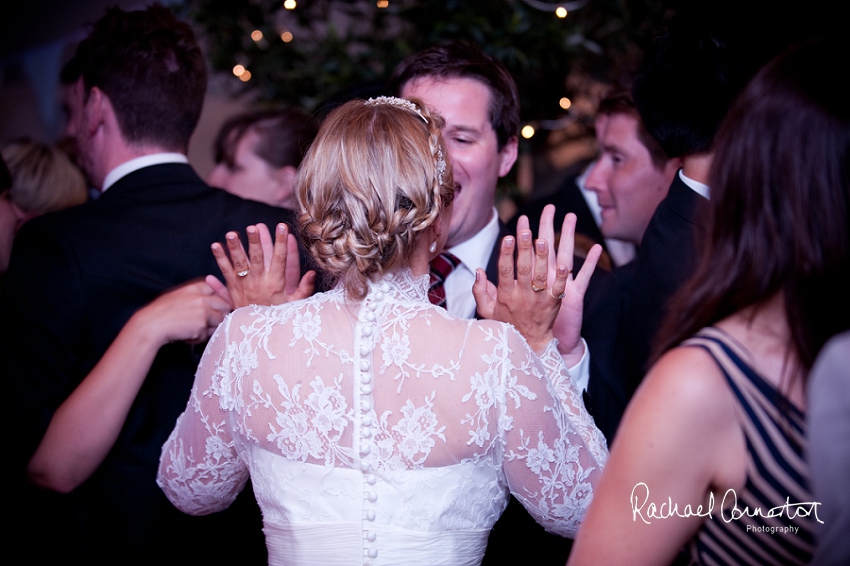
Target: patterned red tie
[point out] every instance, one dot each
(441, 266)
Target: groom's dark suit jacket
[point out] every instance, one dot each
(75, 279)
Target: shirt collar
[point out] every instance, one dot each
(138, 163)
(699, 188)
(476, 251)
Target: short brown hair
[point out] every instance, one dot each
(151, 68)
(460, 59)
(620, 101)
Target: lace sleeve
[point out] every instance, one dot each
(200, 470)
(553, 453)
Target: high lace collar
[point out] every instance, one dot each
(402, 284)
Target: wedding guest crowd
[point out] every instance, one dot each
(385, 419)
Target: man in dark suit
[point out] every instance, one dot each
(688, 82)
(76, 277)
(478, 99)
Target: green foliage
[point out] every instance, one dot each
(349, 48)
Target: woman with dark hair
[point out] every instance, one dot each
(711, 449)
(377, 428)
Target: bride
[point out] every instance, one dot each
(375, 427)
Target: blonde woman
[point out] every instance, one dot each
(43, 180)
(374, 426)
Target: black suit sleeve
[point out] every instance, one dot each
(42, 310)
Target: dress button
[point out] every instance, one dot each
(365, 405)
(367, 331)
(371, 479)
(366, 389)
(365, 365)
(366, 432)
(370, 516)
(379, 296)
(366, 420)
(385, 287)
(365, 449)
(365, 378)
(371, 496)
(372, 553)
(370, 316)
(371, 536)
(365, 466)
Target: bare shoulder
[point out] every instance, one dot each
(686, 411)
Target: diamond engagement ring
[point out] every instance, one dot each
(244, 272)
(537, 289)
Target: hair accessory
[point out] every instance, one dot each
(408, 105)
(400, 102)
(441, 165)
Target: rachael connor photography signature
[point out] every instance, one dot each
(645, 510)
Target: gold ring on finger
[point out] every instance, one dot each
(559, 297)
(537, 289)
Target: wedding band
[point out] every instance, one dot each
(537, 289)
(243, 273)
(559, 297)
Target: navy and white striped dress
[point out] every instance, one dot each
(777, 472)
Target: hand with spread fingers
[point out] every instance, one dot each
(567, 326)
(270, 274)
(542, 300)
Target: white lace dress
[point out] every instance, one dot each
(382, 431)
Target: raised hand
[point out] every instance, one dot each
(270, 274)
(543, 299)
(567, 328)
(526, 300)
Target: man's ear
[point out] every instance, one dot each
(508, 155)
(96, 109)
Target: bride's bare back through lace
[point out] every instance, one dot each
(381, 431)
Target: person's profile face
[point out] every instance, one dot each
(628, 185)
(469, 138)
(251, 177)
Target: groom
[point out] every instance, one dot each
(77, 276)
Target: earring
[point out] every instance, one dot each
(433, 247)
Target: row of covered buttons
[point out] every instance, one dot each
(369, 496)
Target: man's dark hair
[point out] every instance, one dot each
(690, 78)
(285, 136)
(465, 60)
(620, 102)
(153, 72)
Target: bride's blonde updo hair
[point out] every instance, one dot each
(374, 179)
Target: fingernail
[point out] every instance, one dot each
(230, 236)
(281, 229)
(509, 240)
(541, 245)
(526, 236)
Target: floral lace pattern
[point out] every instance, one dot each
(431, 419)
